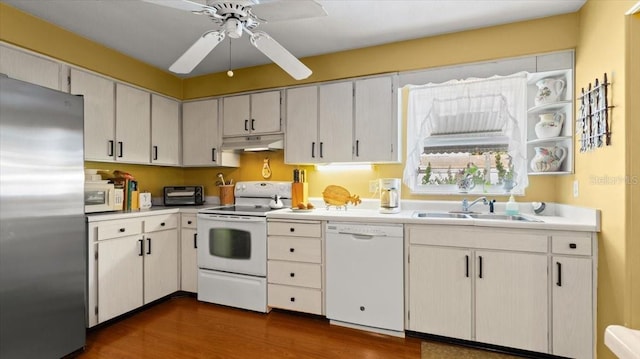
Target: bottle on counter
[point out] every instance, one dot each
(512, 207)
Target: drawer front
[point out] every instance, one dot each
(294, 249)
(293, 273)
(295, 298)
(160, 223)
(577, 244)
(188, 221)
(297, 229)
(474, 237)
(119, 229)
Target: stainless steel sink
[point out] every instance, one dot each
(474, 215)
(503, 217)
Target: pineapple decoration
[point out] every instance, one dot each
(339, 197)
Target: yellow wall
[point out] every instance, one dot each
(633, 170)
(601, 173)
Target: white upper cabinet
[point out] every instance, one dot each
(356, 122)
(133, 125)
(201, 136)
(319, 123)
(335, 122)
(257, 113)
(165, 131)
(376, 122)
(99, 114)
(30, 68)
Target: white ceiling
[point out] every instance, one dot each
(158, 35)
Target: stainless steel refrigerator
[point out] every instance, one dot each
(42, 222)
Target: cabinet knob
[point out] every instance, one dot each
(292, 250)
(292, 275)
(121, 230)
(189, 222)
(162, 224)
(362, 309)
(293, 299)
(292, 229)
(573, 246)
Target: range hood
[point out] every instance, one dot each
(254, 143)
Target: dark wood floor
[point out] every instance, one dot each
(182, 327)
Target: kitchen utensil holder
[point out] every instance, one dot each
(226, 194)
(299, 193)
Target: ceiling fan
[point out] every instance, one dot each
(237, 16)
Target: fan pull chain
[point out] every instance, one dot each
(230, 73)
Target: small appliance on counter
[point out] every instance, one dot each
(183, 195)
(390, 195)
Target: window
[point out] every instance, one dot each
(467, 136)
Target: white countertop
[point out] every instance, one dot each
(555, 216)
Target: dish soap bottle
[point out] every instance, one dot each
(512, 207)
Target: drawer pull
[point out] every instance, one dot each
(480, 266)
(141, 242)
(149, 243)
(573, 246)
(162, 224)
(292, 250)
(362, 309)
(189, 222)
(467, 266)
(195, 240)
(293, 299)
(292, 275)
(121, 230)
(292, 229)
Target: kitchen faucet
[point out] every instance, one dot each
(466, 205)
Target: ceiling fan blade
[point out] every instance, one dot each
(179, 4)
(279, 55)
(278, 10)
(197, 52)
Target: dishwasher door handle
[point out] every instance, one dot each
(360, 235)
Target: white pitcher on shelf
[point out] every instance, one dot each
(550, 124)
(549, 90)
(548, 159)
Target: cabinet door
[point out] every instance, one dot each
(165, 130)
(265, 113)
(189, 262)
(99, 114)
(301, 136)
(572, 293)
(236, 115)
(511, 300)
(133, 125)
(30, 68)
(200, 136)
(160, 264)
(119, 276)
(440, 291)
(335, 119)
(376, 125)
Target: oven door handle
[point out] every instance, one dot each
(218, 218)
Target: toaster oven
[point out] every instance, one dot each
(183, 195)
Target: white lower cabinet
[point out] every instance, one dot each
(132, 262)
(188, 254)
(496, 286)
(294, 266)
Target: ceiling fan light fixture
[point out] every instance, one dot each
(233, 28)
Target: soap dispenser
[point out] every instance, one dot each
(512, 207)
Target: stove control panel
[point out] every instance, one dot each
(263, 189)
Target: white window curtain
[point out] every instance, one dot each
(490, 110)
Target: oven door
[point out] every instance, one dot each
(235, 244)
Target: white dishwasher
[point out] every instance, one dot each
(365, 276)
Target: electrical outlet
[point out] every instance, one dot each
(373, 186)
(576, 188)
